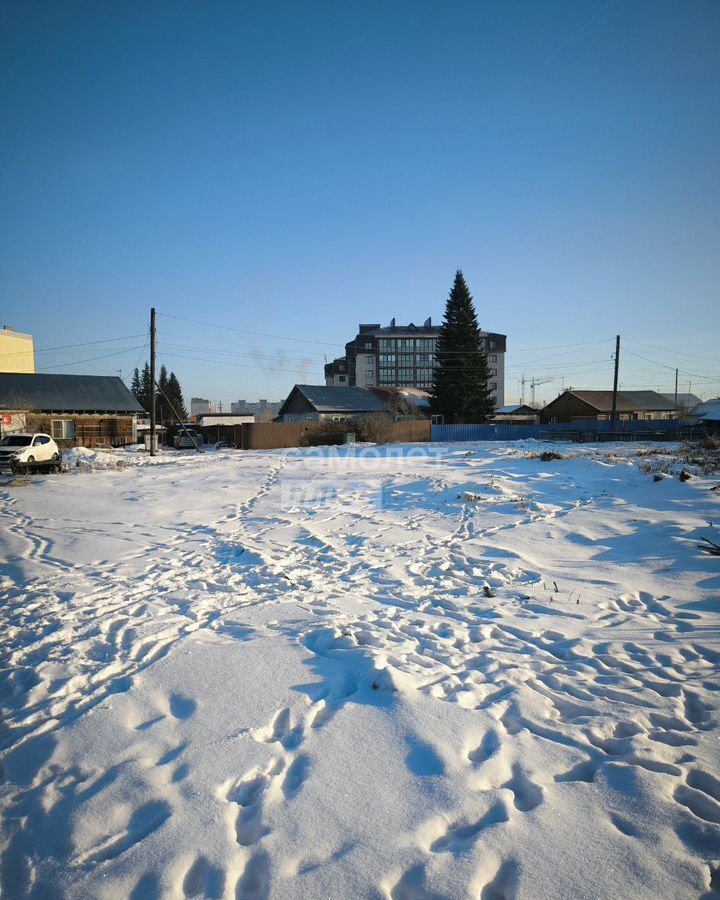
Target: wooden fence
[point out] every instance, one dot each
(277, 435)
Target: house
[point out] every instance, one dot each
(319, 403)
(708, 411)
(76, 410)
(403, 356)
(573, 406)
(685, 402)
(516, 412)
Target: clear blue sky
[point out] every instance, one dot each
(291, 169)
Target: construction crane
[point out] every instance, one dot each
(536, 382)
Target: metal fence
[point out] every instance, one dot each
(489, 432)
(585, 430)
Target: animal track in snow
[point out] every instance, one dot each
(143, 822)
(461, 834)
(526, 794)
(248, 794)
(203, 879)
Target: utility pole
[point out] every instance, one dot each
(522, 390)
(153, 439)
(613, 416)
(676, 406)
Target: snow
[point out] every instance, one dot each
(417, 671)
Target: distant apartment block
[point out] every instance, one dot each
(201, 407)
(263, 410)
(403, 356)
(17, 353)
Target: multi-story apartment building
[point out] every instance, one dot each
(17, 353)
(263, 410)
(403, 355)
(199, 406)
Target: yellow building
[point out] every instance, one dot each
(17, 353)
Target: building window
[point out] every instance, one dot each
(387, 359)
(387, 376)
(368, 345)
(425, 344)
(493, 358)
(342, 377)
(63, 429)
(493, 385)
(424, 359)
(406, 343)
(492, 373)
(437, 419)
(369, 373)
(406, 359)
(386, 345)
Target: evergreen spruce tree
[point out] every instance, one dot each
(460, 389)
(144, 397)
(164, 410)
(135, 388)
(174, 392)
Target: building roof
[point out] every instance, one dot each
(418, 397)
(684, 401)
(66, 393)
(627, 401)
(521, 409)
(207, 421)
(648, 400)
(708, 411)
(338, 399)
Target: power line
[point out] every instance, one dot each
(248, 347)
(654, 362)
(258, 333)
(673, 351)
(236, 365)
(127, 337)
(80, 362)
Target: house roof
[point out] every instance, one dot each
(337, 399)
(416, 396)
(517, 408)
(627, 401)
(66, 393)
(648, 400)
(684, 401)
(709, 411)
(600, 400)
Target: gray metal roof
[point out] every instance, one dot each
(648, 400)
(66, 393)
(339, 399)
(684, 401)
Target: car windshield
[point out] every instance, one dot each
(19, 440)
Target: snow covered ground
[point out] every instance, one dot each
(410, 672)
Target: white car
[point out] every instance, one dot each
(183, 441)
(20, 450)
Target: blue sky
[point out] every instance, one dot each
(288, 170)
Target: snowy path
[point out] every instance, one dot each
(313, 674)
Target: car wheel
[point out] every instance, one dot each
(30, 459)
(56, 457)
